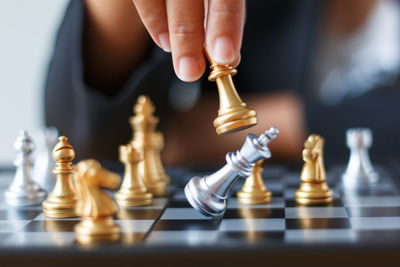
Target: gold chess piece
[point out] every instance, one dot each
(150, 141)
(62, 201)
(254, 190)
(313, 188)
(95, 206)
(133, 192)
(233, 114)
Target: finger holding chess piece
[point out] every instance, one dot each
(62, 201)
(95, 206)
(23, 191)
(133, 192)
(147, 140)
(313, 188)
(233, 113)
(254, 190)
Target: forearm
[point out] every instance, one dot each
(115, 42)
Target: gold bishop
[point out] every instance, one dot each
(62, 201)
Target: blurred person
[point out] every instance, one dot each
(107, 53)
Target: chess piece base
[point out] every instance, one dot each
(354, 180)
(133, 199)
(250, 198)
(25, 197)
(200, 197)
(235, 119)
(158, 189)
(59, 209)
(98, 230)
(313, 193)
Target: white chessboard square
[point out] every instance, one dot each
(12, 226)
(375, 223)
(276, 202)
(192, 237)
(270, 224)
(134, 226)
(315, 212)
(372, 201)
(182, 214)
(58, 239)
(320, 236)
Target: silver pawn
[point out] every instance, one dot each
(43, 174)
(208, 194)
(359, 170)
(23, 191)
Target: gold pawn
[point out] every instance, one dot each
(233, 114)
(254, 190)
(62, 200)
(149, 141)
(313, 188)
(133, 192)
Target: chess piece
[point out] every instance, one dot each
(62, 201)
(359, 170)
(254, 190)
(44, 163)
(233, 114)
(95, 206)
(313, 188)
(150, 142)
(133, 192)
(23, 191)
(208, 194)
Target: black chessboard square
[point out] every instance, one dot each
(277, 193)
(318, 223)
(137, 214)
(179, 203)
(186, 225)
(291, 203)
(251, 236)
(51, 226)
(254, 213)
(378, 236)
(19, 214)
(373, 212)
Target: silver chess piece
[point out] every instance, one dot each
(23, 191)
(359, 170)
(43, 174)
(208, 194)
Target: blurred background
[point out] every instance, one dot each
(27, 32)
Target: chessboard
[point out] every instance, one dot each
(365, 220)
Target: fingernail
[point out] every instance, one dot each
(223, 50)
(164, 40)
(188, 69)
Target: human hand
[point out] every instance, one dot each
(183, 27)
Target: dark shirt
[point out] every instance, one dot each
(278, 47)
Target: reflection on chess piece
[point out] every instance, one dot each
(254, 190)
(44, 163)
(23, 191)
(149, 141)
(359, 170)
(133, 192)
(61, 202)
(95, 206)
(208, 194)
(313, 188)
(233, 114)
